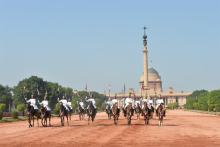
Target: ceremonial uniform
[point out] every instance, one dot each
(32, 102)
(44, 103)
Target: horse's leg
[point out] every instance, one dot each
(61, 119)
(159, 120)
(33, 120)
(89, 119)
(67, 118)
(37, 122)
(45, 121)
(42, 121)
(50, 121)
(29, 120)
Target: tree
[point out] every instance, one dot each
(214, 100)
(2, 108)
(204, 100)
(21, 108)
(6, 96)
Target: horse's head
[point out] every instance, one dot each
(91, 105)
(145, 108)
(62, 108)
(145, 105)
(108, 106)
(90, 108)
(114, 108)
(161, 111)
(42, 109)
(80, 107)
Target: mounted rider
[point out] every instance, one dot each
(128, 101)
(32, 101)
(45, 103)
(108, 103)
(115, 101)
(160, 102)
(81, 104)
(69, 104)
(144, 100)
(150, 104)
(65, 103)
(92, 100)
(137, 103)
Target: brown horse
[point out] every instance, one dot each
(146, 113)
(81, 112)
(109, 111)
(161, 113)
(115, 113)
(91, 112)
(129, 113)
(45, 114)
(152, 112)
(64, 113)
(138, 111)
(31, 112)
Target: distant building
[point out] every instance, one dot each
(151, 85)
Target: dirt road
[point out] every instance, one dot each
(180, 128)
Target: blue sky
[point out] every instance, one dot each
(100, 42)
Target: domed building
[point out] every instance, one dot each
(154, 82)
(151, 85)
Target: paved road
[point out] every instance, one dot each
(180, 129)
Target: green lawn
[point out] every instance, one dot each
(10, 119)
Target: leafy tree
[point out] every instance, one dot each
(204, 100)
(2, 107)
(27, 87)
(21, 108)
(6, 96)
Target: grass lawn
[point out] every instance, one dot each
(10, 119)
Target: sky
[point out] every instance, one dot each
(99, 43)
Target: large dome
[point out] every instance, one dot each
(153, 75)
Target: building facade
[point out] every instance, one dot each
(151, 85)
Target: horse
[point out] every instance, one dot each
(91, 112)
(129, 113)
(109, 111)
(31, 112)
(115, 112)
(146, 113)
(63, 112)
(70, 113)
(152, 112)
(138, 111)
(81, 112)
(45, 114)
(161, 113)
